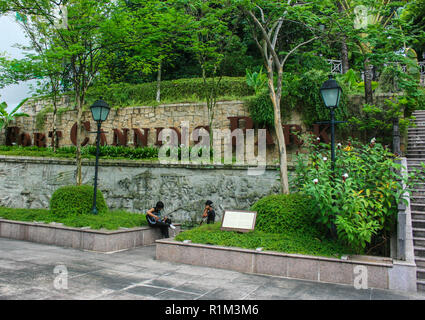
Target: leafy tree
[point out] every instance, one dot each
(6, 118)
(42, 66)
(154, 32)
(267, 20)
(84, 43)
(375, 28)
(210, 39)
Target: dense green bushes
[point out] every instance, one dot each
(123, 95)
(284, 212)
(285, 223)
(109, 152)
(114, 152)
(76, 200)
(301, 93)
(358, 199)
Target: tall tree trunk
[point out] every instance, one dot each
(283, 161)
(79, 178)
(344, 55)
(344, 49)
(158, 83)
(368, 82)
(55, 110)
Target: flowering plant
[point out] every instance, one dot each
(357, 201)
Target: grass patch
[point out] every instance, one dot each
(288, 242)
(110, 220)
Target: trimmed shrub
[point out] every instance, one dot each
(285, 213)
(76, 200)
(123, 95)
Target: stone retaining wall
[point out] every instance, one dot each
(145, 117)
(136, 186)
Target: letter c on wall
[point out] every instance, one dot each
(74, 133)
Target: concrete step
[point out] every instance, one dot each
(420, 273)
(420, 262)
(418, 232)
(417, 199)
(415, 140)
(415, 154)
(420, 285)
(414, 161)
(418, 215)
(420, 242)
(413, 147)
(418, 223)
(419, 252)
(418, 185)
(418, 192)
(419, 207)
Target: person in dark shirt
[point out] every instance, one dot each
(209, 212)
(153, 216)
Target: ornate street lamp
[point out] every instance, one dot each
(100, 111)
(331, 94)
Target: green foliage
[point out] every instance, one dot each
(124, 95)
(106, 152)
(284, 212)
(76, 200)
(350, 81)
(288, 242)
(300, 92)
(360, 196)
(260, 109)
(111, 220)
(377, 120)
(305, 92)
(256, 80)
(7, 117)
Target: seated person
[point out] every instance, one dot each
(153, 216)
(209, 212)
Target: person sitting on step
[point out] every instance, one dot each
(153, 216)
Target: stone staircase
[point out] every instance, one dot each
(415, 156)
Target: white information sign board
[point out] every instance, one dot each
(236, 220)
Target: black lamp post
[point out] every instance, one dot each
(100, 112)
(331, 94)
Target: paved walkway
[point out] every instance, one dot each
(27, 272)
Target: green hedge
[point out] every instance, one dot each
(285, 212)
(76, 200)
(122, 95)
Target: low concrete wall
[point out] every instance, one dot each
(378, 272)
(93, 240)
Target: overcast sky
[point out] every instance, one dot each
(11, 34)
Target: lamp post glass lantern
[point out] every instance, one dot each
(331, 94)
(100, 111)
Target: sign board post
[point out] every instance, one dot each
(237, 220)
